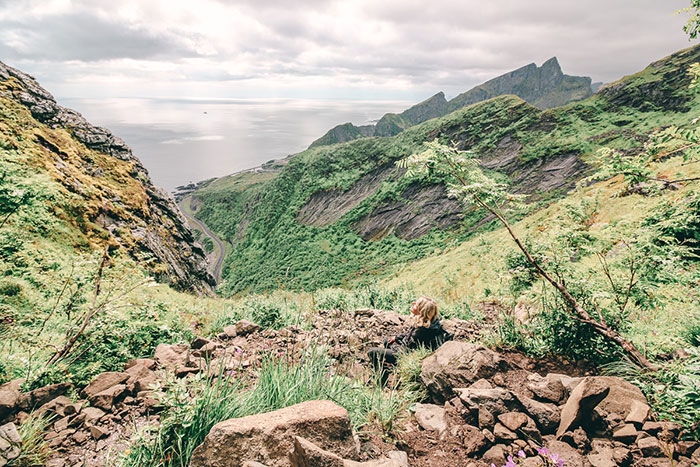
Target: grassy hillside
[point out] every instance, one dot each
(272, 249)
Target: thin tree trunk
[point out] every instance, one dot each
(582, 314)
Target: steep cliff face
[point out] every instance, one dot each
(103, 194)
(544, 87)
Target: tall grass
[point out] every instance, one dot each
(34, 450)
(193, 407)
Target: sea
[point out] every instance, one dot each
(182, 141)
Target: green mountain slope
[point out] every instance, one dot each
(544, 87)
(336, 213)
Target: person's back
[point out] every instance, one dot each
(427, 332)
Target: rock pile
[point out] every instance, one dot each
(491, 411)
(483, 407)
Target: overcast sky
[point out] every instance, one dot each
(363, 49)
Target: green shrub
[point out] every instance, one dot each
(408, 369)
(114, 340)
(692, 332)
(208, 244)
(10, 289)
(334, 299)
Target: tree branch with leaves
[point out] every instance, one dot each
(472, 186)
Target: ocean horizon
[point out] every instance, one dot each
(187, 140)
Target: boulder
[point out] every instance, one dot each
(269, 437)
(97, 432)
(547, 416)
(244, 327)
(587, 395)
(9, 442)
(91, 415)
(38, 397)
(513, 420)
(147, 362)
(496, 401)
(650, 447)
(504, 434)
(495, 455)
(106, 399)
(625, 433)
(172, 356)
(621, 397)
(458, 364)
(431, 417)
(549, 388)
(9, 397)
(568, 454)
(473, 440)
(140, 378)
(639, 411)
(307, 454)
(199, 342)
(104, 381)
(56, 406)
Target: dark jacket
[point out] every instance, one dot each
(431, 337)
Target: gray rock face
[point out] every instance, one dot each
(457, 365)
(269, 437)
(163, 231)
(326, 207)
(419, 209)
(544, 87)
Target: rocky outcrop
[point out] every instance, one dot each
(418, 210)
(326, 207)
(457, 365)
(544, 87)
(666, 86)
(269, 438)
(393, 124)
(164, 243)
(343, 133)
(10, 443)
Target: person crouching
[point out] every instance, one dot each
(426, 332)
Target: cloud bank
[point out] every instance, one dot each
(311, 48)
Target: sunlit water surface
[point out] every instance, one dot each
(188, 140)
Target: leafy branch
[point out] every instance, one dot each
(472, 186)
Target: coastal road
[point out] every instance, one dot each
(216, 259)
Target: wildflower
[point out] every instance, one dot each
(511, 462)
(521, 453)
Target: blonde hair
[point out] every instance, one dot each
(427, 312)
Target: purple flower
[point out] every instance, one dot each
(521, 453)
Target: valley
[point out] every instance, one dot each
(555, 228)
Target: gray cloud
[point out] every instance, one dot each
(87, 37)
(411, 46)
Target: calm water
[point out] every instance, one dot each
(187, 140)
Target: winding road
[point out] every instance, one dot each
(219, 252)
